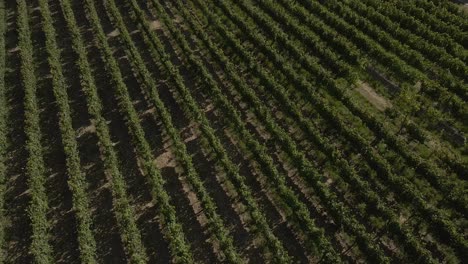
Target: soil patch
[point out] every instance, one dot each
(373, 97)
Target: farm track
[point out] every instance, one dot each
(233, 131)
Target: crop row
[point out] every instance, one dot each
(344, 47)
(304, 123)
(451, 72)
(35, 169)
(442, 15)
(379, 128)
(209, 134)
(300, 212)
(216, 225)
(301, 56)
(128, 230)
(380, 163)
(305, 168)
(420, 28)
(396, 64)
(77, 182)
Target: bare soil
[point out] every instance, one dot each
(373, 97)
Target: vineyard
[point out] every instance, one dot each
(233, 131)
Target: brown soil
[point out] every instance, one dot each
(113, 33)
(373, 97)
(155, 25)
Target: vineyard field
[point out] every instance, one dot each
(233, 131)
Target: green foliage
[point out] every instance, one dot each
(129, 232)
(35, 170)
(215, 222)
(288, 65)
(77, 181)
